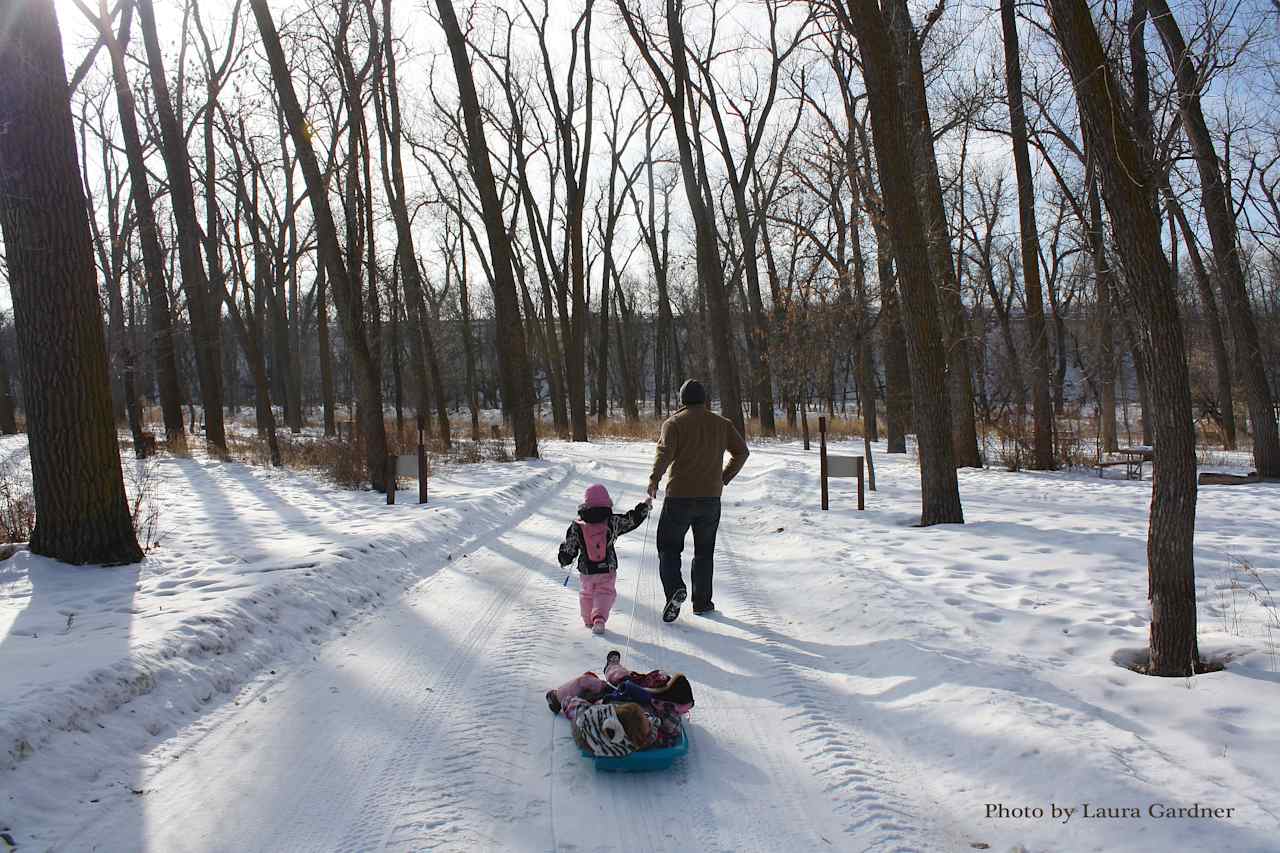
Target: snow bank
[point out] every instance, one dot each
(251, 563)
(987, 659)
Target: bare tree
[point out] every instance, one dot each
(675, 94)
(517, 376)
(752, 122)
(940, 493)
(1126, 177)
(1042, 411)
(203, 310)
(1221, 224)
(915, 110)
(152, 255)
(82, 515)
(347, 293)
(422, 347)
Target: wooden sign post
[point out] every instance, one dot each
(837, 466)
(822, 456)
(389, 476)
(424, 470)
(409, 465)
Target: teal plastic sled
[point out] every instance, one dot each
(643, 761)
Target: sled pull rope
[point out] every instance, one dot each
(635, 598)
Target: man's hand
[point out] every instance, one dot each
(653, 492)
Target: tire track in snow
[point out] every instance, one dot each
(454, 787)
(439, 798)
(719, 718)
(438, 684)
(862, 785)
(463, 779)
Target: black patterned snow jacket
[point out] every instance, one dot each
(575, 547)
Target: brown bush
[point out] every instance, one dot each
(17, 507)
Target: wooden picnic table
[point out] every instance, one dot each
(1133, 459)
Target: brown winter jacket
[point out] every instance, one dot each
(692, 445)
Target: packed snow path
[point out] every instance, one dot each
(426, 728)
(869, 685)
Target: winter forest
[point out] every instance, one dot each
(264, 264)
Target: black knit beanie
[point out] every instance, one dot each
(692, 393)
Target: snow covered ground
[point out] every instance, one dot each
(303, 668)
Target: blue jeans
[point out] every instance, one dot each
(678, 515)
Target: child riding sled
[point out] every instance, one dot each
(624, 711)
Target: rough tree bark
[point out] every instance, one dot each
(915, 108)
(1106, 334)
(82, 514)
(940, 492)
(1209, 305)
(1126, 179)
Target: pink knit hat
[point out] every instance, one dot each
(597, 495)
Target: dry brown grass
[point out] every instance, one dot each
(17, 507)
(645, 429)
(839, 428)
(342, 459)
(648, 428)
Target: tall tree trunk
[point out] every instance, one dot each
(1106, 335)
(8, 411)
(602, 349)
(940, 492)
(897, 373)
(865, 376)
(152, 255)
(1126, 179)
(347, 293)
(1222, 235)
(397, 375)
(133, 406)
(468, 349)
(914, 105)
(82, 515)
(294, 415)
(629, 395)
(328, 400)
(1209, 305)
(517, 376)
(1041, 405)
(195, 280)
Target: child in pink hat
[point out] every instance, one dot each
(590, 540)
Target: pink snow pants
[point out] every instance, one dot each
(596, 596)
(570, 692)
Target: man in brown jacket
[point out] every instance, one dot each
(692, 445)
